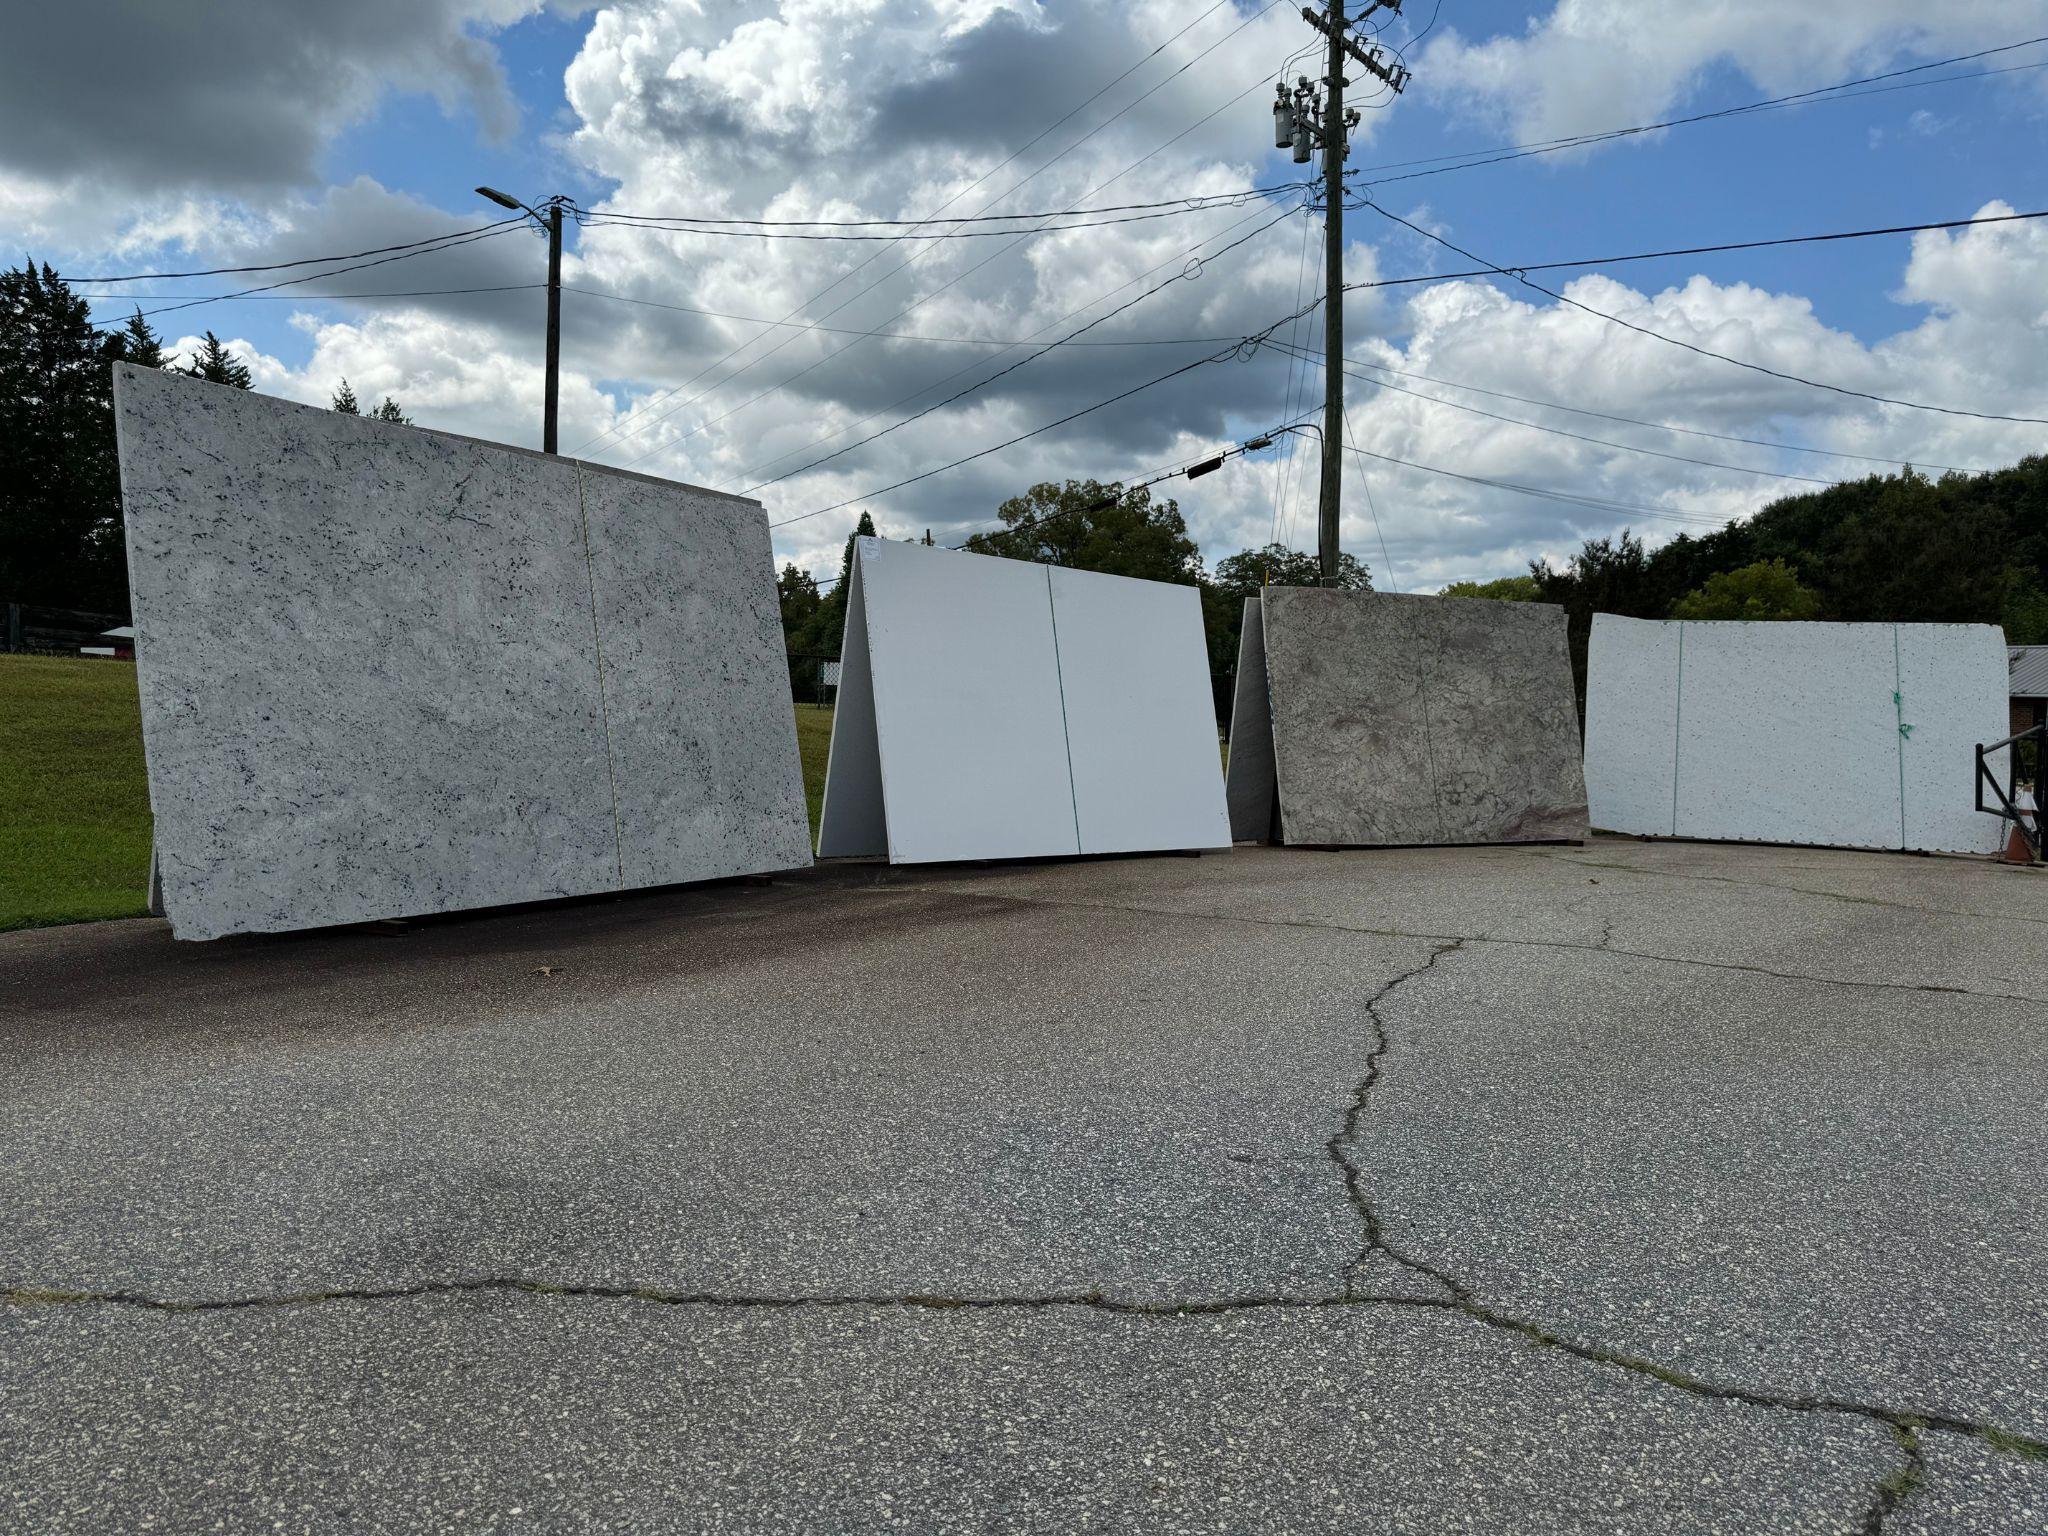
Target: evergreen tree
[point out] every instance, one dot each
(390, 412)
(136, 343)
(60, 508)
(217, 365)
(344, 401)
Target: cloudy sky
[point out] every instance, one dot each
(133, 141)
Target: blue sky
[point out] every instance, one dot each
(656, 106)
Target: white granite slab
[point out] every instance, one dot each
(1141, 717)
(696, 684)
(369, 667)
(999, 709)
(1792, 732)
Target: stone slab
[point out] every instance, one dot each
(1001, 709)
(1140, 714)
(370, 668)
(1400, 719)
(696, 692)
(1792, 732)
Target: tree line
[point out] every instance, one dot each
(1089, 525)
(60, 479)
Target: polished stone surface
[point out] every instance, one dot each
(1844, 735)
(1401, 719)
(696, 687)
(370, 671)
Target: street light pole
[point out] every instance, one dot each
(551, 224)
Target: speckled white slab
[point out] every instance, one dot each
(1401, 719)
(696, 682)
(1792, 732)
(370, 668)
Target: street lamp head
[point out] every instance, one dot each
(500, 198)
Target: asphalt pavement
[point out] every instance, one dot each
(1625, 1187)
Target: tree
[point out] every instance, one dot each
(60, 508)
(820, 634)
(217, 365)
(1092, 526)
(797, 592)
(1768, 589)
(1504, 589)
(136, 343)
(1242, 574)
(390, 412)
(1605, 576)
(344, 401)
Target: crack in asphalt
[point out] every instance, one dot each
(1605, 947)
(1905, 1425)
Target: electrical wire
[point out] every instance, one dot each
(491, 232)
(1519, 274)
(968, 272)
(1661, 426)
(1167, 208)
(621, 426)
(1597, 503)
(1600, 442)
(979, 384)
(1842, 90)
(952, 341)
(304, 261)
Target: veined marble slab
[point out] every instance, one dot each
(1844, 735)
(1398, 719)
(371, 665)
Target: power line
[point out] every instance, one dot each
(957, 277)
(304, 261)
(985, 261)
(449, 243)
(1659, 426)
(1519, 274)
(877, 335)
(1600, 442)
(300, 298)
(1598, 503)
(1071, 113)
(790, 229)
(1022, 361)
(1010, 442)
(1842, 90)
(1180, 257)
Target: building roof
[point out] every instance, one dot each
(2029, 665)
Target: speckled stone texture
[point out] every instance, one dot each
(1402, 719)
(369, 661)
(1845, 735)
(696, 688)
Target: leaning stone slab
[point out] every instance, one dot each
(1844, 735)
(388, 672)
(1397, 719)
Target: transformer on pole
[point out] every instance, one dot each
(1313, 116)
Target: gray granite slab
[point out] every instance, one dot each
(1402, 719)
(696, 687)
(369, 666)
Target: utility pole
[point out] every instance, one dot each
(548, 436)
(1296, 122)
(551, 225)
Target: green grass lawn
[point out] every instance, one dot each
(74, 806)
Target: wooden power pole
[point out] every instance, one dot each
(1318, 119)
